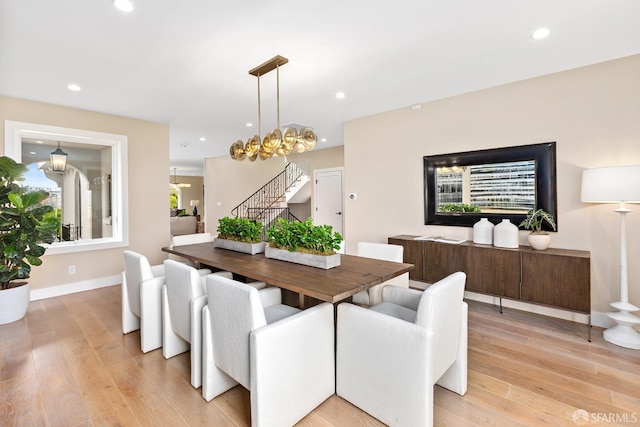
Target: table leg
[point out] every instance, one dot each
(301, 301)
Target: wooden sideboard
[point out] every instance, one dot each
(558, 278)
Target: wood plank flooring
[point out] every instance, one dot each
(68, 364)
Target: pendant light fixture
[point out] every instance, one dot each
(280, 143)
(59, 159)
(179, 184)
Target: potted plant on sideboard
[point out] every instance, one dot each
(303, 243)
(240, 235)
(538, 239)
(25, 223)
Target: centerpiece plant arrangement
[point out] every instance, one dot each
(25, 224)
(304, 237)
(240, 234)
(534, 221)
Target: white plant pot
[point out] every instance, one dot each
(539, 241)
(320, 261)
(234, 245)
(14, 303)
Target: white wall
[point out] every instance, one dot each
(593, 113)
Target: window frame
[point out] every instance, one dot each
(15, 131)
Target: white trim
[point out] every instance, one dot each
(15, 131)
(597, 318)
(72, 288)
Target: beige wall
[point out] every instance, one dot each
(229, 182)
(593, 113)
(148, 153)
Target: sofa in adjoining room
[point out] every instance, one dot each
(180, 225)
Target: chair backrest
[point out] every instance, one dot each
(381, 251)
(136, 269)
(235, 311)
(191, 239)
(440, 310)
(385, 252)
(183, 284)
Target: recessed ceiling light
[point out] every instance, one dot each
(340, 95)
(323, 139)
(74, 87)
(39, 142)
(202, 138)
(123, 5)
(540, 33)
(249, 125)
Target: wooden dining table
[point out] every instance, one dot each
(354, 274)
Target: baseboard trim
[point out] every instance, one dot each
(597, 318)
(72, 288)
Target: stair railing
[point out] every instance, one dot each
(269, 194)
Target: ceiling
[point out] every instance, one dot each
(185, 63)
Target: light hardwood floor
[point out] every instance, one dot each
(68, 364)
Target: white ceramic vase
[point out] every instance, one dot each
(539, 241)
(505, 235)
(483, 232)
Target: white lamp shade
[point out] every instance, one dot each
(194, 202)
(611, 185)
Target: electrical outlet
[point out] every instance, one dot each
(72, 269)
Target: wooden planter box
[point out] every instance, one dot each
(234, 245)
(320, 261)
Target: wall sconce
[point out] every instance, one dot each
(617, 184)
(59, 159)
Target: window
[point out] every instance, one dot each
(89, 195)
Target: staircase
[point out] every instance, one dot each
(271, 200)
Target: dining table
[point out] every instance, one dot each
(354, 274)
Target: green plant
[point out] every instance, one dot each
(24, 224)
(458, 207)
(240, 229)
(534, 219)
(303, 237)
(173, 201)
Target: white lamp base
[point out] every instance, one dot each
(623, 333)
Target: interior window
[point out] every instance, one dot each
(88, 194)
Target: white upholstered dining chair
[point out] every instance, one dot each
(381, 251)
(389, 357)
(283, 356)
(183, 298)
(141, 299)
(189, 239)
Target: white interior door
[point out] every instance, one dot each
(328, 198)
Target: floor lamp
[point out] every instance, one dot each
(617, 184)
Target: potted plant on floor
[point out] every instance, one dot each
(303, 243)
(239, 234)
(538, 239)
(25, 223)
